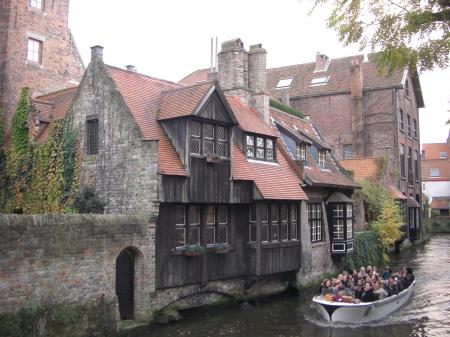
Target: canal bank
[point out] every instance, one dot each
(425, 315)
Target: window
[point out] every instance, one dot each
(321, 158)
(284, 83)
(315, 221)
(301, 152)
(443, 155)
(416, 165)
(283, 224)
(402, 160)
(410, 173)
(342, 221)
(209, 139)
(401, 124)
(415, 128)
(261, 148)
(407, 88)
(180, 226)
(319, 81)
(194, 225)
(34, 51)
(92, 136)
(38, 4)
(408, 125)
(434, 172)
(216, 224)
(348, 151)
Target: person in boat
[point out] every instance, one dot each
(327, 288)
(409, 276)
(392, 286)
(362, 273)
(368, 295)
(386, 273)
(358, 289)
(379, 291)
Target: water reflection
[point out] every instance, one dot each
(427, 314)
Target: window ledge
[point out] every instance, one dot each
(272, 245)
(318, 244)
(179, 251)
(34, 64)
(264, 162)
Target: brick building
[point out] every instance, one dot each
(37, 50)
(359, 112)
(436, 175)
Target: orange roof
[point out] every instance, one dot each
(183, 101)
(396, 194)
(142, 95)
(168, 161)
(441, 164)
(440, 203)
(362, 168)
(433, 150)
(195, 77)
(273, 180)
(248, 118)
(52, 107)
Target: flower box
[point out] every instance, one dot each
(219, 248)
(193, 250)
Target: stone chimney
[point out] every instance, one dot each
(322, 62)
(233, 69)
(97, 53)
(257, 80)
(131, 68)
(356, 94)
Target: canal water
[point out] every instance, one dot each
(427, 313)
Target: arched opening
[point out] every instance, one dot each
(125, 283)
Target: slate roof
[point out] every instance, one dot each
(332, 175)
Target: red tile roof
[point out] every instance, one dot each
(195, 77)
(248, 118)
(50, 108)
(183, 101)
(332, 174)
(440, 203)
(169, 162)
(273, 180)
(433, 150)
(362, 168)
(396, 194)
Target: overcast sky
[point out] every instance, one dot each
(171, 38)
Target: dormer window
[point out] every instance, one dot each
(284, 83)
(321, 156)
(209, 139)
(301, 152)
(260, 147)
(319, 81)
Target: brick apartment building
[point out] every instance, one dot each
(37, 50)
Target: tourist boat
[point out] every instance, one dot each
(356, 313)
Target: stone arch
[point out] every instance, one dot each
(129, 280)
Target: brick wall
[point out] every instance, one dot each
(72, 258)
(124, 172)
(61, 64)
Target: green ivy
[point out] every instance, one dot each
(286, 108)
(40, 178)
(367, 251)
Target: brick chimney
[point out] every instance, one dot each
(356, 94)
(131, 68)
(233, 69)
(322, 62)
(97, 53)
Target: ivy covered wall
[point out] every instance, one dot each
(39, 178)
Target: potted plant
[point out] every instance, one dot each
(219, 248)
(193, 250)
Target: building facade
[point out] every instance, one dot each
(37, 50)
(436, 175)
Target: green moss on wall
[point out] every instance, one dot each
(368, 251)
(283, 107)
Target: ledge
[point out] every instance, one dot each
(274, 245)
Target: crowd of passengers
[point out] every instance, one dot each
(367, 285)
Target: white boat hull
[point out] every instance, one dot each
(362, 312)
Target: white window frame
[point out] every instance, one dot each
(284, 83)
(436, 171)
(443, 155)
(321, 157)
(34, 55)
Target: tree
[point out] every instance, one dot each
(404, 33)
(387, 226)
